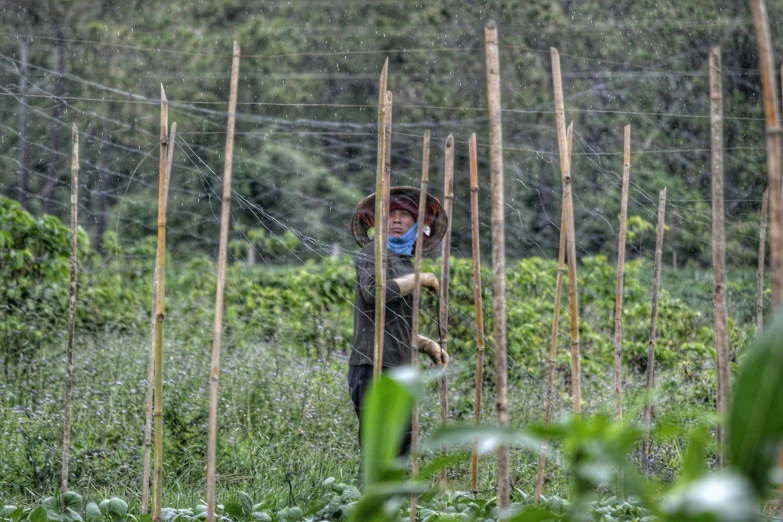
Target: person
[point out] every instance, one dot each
(397, 349)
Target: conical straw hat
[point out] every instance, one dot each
(436, 222)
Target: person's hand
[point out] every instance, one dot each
(428, 280)
(433, 351)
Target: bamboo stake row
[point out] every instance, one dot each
(478, 304)
(214, 376)
(381, 203)
(773, 130)
(762, 254)
(425, 167)
(160, 313)
(145, 488)
(498, 254)
(71, 310)
(573, 299)
(443, 310)
(719, 246)
(553, 341)
(618, 300)
(653, 332)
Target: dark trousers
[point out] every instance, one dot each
(359, 379)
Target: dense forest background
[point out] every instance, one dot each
(305, 150)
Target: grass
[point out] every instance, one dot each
(286, 420)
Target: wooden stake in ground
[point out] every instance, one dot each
(478, 303)
(425, 168)
(553, 342)
(214, 375)
(653, 332)
(565, 169)
(145, 487)
(71, 310)
(762, 255)
(498, 252)
(719, 245)
(772, 117)
(773, 130)
(618, 300)
(380, 229)
(160, 312)
(443, 321)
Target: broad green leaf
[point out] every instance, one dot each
(693, 465)
(118, 508)
(489, 437)
(233, 509)
(69, 515)
(51, 504)
(7, 510)
(145, 518)
(723, 496)
(104, 506)
(247, 503)
(385, 418)
(73, 500)
(533, 514)
(371, 506)
(92, 511)
(262, 516)
(39, 515)
(755, 420)
(291, 514)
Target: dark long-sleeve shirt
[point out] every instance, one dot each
(399, 311)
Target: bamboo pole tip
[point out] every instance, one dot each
(74, 128)
(163, 97)
(491, 26)
(627, 128)
(450, 141)
(173, 127)
(570, 127)
(236, 48)
(553, 52)
(473, 138)
(427, 134)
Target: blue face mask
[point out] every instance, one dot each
(403, 244)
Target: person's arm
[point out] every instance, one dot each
(395, 288)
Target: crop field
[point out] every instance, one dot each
(184, 228)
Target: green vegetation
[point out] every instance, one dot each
(304, 155)
(286, 423)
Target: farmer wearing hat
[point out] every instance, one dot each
(402, 231)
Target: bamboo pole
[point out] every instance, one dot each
(573, 298)
(498, 253)
(145, 487)
(618, 301)
(773, 130)
(425, 168)
(445, 263)
(160, 312)
(762, 254)
(653, 331)
(478, 304)
(553, 342)
(214, 376)
(380, 228)
(719, 246)
(71, 310)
